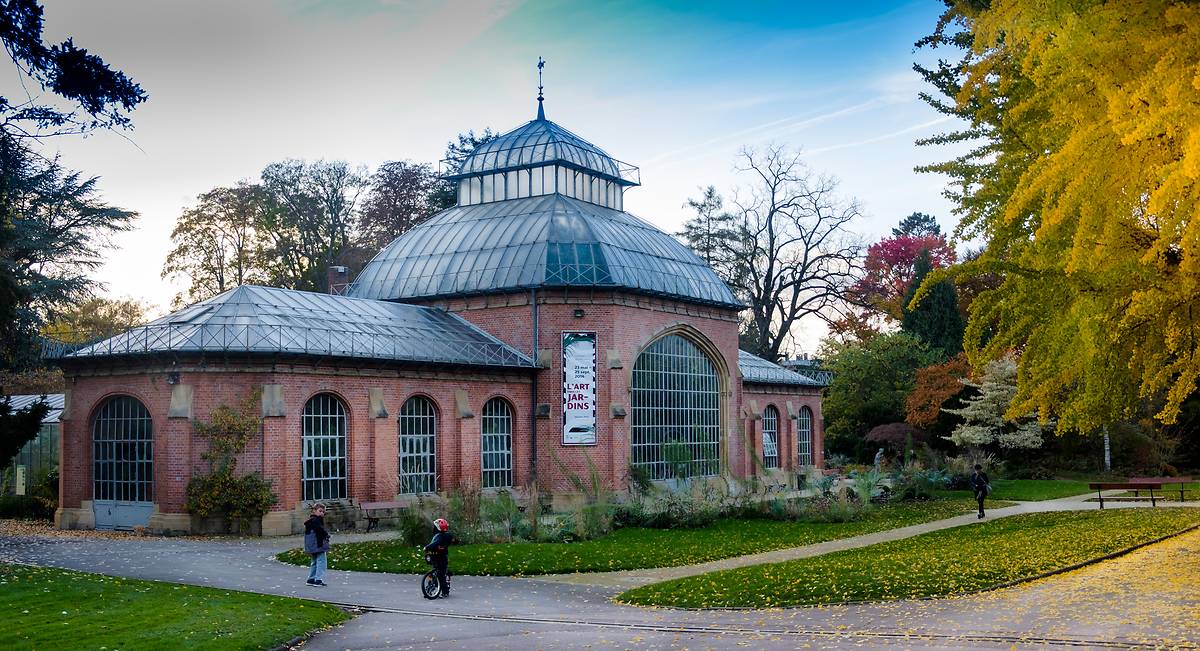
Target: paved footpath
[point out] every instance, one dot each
(1147, 599)
(627, 579)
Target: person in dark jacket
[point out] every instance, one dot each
(439, 552)
(316, 544)
(981, 486)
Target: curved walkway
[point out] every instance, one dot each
(626, 579)
(1145, 599)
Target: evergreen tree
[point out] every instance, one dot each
(918, 224)
(984, 420)
(18, 427)
(935, 319)
(712, 232)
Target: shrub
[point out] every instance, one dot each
(501, 516)
(917, 484)
(866, 486)
(222, 491)
(241, 498)
(836, 460)
(463, 508)
(44, 485)
(26, 507)
(594, 517)
(414, 526)
(898, 437)
(842, 508)
(959, 468)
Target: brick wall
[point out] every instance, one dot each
(755, 400)
(372, 444)
(625, 324)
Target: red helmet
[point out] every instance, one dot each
(441, 524)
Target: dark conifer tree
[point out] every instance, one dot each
(936, 319)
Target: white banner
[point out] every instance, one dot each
(579, 388)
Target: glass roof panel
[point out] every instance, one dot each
(540, 141)
(282, 320)
(494, 241)
(758, 370)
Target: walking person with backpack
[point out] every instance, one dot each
(981, 486)
(316, 544)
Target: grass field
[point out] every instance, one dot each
(1170, 492)
(942, 563)
(632, 548)
(1028, 490)
(58, 609)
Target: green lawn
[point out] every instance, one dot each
(1028, 490)
(1170, 492)
(57, 609)
(631, 548)
(947, 562)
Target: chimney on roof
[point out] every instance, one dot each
(337, 279)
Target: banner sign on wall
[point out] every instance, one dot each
(579, 388)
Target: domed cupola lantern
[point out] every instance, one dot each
(538, 206)
(540, 158)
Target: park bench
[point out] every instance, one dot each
(1126, 485)
(371, 511)
(1182, 481)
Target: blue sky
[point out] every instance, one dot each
(674, 87)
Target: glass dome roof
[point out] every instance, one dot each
(541, 142)
(543, 241)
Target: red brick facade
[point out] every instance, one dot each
(624, 323)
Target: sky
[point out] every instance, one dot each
(676, 88)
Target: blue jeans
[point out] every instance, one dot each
(319, 563)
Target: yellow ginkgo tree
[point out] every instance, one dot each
(1083, 177)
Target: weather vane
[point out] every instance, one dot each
(541, 113)
(541, 64)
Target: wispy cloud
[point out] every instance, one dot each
(887, 136)
(781, 126)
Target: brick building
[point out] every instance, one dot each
(532, 331)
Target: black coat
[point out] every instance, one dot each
(317, 524)
(979, 482)
(440, 545)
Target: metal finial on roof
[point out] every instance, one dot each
(541, 112)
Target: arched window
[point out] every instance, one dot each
(770, 437)
(496, 444)
(324, 447)
(122, 452)
(676, 429)
(804, 429)
(418, 433)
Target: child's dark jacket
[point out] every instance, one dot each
(440, 545)
(316, 538)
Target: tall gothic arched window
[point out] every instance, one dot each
(676, 405)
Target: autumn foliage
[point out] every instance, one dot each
(890, 267)
(934, 386)
(1085, 182)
